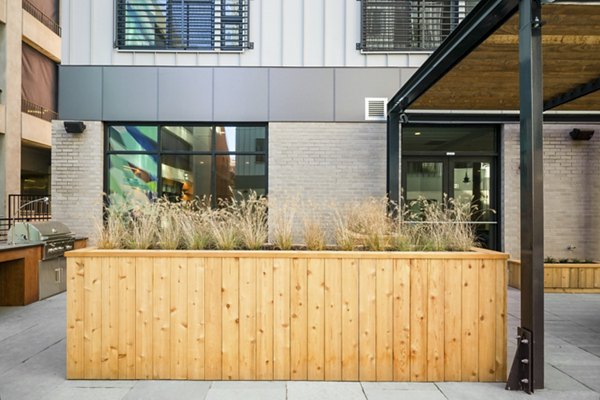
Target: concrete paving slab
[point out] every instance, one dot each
(325, 391)
(87, 393)
(168, 390)
(412, 391)
(586, 374)
(247, 391)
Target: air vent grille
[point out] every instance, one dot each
(375, 108)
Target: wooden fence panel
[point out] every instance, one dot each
(299, 318)
(316, 319)
(329, 318)
(350, 332)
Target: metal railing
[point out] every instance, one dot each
(24, 208)
(43, 18)
(405, 25)
(37, 111)
(182, 25)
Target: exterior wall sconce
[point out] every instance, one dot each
(578, 134)
(74, 126)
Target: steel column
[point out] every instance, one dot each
(532, 189)
(393, 158)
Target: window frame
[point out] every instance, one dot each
(454, 17)
(213, 153)
(244, 24)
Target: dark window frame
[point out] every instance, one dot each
(213, 153)
(408, 25)
(177, 25)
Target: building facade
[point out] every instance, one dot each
(187, 98)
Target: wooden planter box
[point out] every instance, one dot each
(561, 278)
(286, 315)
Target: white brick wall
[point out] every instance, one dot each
(77, 177)
(325, 163)
(571, 192)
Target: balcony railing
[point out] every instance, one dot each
(38, 111)
(24, 208)
(40, 16)
(182, 25)
(405, 25)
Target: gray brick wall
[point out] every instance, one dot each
(321, 164)
(77, 176)
(571, 192)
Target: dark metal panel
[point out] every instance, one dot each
(241, 94)
(393, 159)
(130, 94)
(485, 18)
(352, 85)
(80, 93)
(301, 94)
(185, 94)
(532, 189)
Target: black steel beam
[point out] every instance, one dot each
(481, 22)
(532, 190)
(574, 94)
(495, 118)
(393, 159)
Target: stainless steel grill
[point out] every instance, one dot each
(55, 236)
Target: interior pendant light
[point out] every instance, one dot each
(466, 178)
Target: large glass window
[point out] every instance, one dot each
(182, 24)
(404, 25)
(195, 161)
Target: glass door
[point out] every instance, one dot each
(463, 178)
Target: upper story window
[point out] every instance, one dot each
(212, 25)
(409, 25)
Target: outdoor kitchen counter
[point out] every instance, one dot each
(19, 283)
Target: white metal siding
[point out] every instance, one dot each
(284, 32)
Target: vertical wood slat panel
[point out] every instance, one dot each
(350, 333)
(75, 321)
(161, 332)
(247, 361)
(470, 314)
(501, 315)
(196, 321)
(435, 320)
(110, 318)
(212, 315)
(179, 318)
(333, 320)
(367, 320)
(316, 319)
(487, 321)
(264, 319)
(385, 319)
(231, 333)
(92, 336)
(453, 320)
(281, 318)
(127, 313)
(402, 312)
(298, 321)
(143, 322)
(418, 319)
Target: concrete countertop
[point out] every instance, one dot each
(8, 246)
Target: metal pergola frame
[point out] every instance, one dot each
(527, 372)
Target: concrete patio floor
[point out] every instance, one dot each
(32, 364)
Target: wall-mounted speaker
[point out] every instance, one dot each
(578, 134)
(74, 126)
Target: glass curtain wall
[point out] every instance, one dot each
(184, 162)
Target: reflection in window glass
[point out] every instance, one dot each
(424, 180)
(186, 138)
(241, 174)
(442, 139)
(133, 175)
(133, 138)
(240, 138)
(185, 177)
